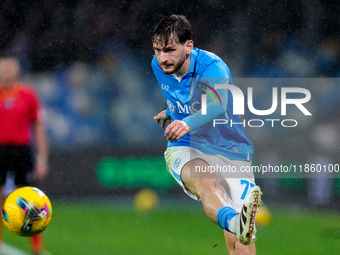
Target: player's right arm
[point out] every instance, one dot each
(38, 127)
(162, 116)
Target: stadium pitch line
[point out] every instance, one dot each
(8, 249)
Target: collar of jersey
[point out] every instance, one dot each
(193, 58)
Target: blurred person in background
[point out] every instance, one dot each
(229, 200)
(22, 133)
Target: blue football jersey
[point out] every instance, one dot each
(184, 99)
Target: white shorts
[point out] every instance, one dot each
(234, 181)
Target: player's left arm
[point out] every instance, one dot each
(220, 75)
(178, 128)
(40, 139)
(41, 166)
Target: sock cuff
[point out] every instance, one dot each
(224, 216)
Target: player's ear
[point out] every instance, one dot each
(189, 45)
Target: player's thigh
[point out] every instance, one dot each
(179, 160)
(235, 190)
(235, 247)
(194, 180)
(4, 163)
(235, 184)
(22, 166)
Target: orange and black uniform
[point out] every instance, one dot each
(19, 109)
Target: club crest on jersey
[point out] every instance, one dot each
(171, 106)
(177, 162)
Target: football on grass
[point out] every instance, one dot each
(27, 211)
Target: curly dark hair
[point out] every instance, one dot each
(172, 27)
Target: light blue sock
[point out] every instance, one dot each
(224, 215)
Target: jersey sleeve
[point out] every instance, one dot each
(168, 113)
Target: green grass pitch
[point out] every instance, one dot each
(108, 228)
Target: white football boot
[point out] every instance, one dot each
(246, 229)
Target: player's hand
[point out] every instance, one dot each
(162, 116)
(41, 169)
(176, 129)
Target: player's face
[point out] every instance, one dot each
(9, 71)
(173, 57)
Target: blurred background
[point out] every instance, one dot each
(90, 61)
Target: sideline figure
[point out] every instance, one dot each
(19, 112)
(196, 149)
